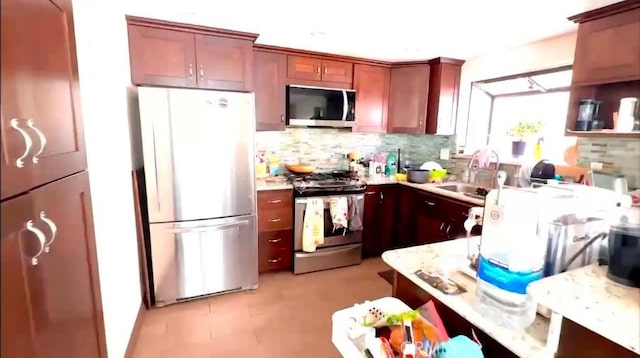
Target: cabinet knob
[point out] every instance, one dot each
(27, 142)
(43, 141)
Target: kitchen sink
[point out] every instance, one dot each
(469, 190)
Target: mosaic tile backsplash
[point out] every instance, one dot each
(323, 143)
(614, 153)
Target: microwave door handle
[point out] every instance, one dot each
(345, 106)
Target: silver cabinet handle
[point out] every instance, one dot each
(275, 240)
(370, 192)
(274, 201)
(54, 230)
(27, 142)
(318, 70)
(325, 70)
(41, 239)
(201, 72)
(282, 118)
(430, 203)
(275, 220)
(275, 261)
(381, 196)
(190, 71)
(43, 140)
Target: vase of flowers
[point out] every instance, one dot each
(523, 131)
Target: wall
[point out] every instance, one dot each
(554, 52)
(103, 63)
(322, 143)
(620, 154)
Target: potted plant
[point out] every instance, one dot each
(523, 130)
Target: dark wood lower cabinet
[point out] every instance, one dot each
(379, 219)
(52, 307)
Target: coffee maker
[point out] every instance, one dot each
(588, 111)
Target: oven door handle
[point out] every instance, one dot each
(304, 201)
(326, 252)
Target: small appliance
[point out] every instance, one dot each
(587, 114)
(624, 253)
(309, 106)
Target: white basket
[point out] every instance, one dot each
(345, 320)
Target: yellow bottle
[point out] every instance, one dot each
(537, 151)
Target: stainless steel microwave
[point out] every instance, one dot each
(320, 107)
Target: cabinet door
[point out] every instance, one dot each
(40, 94)
(387, 217)
(429, 224)
(16, 330)
(270, 85)
(304, 68)
(442, 106)
(372, 95)
(408, 92)
(224, 63)
(64, 286)
(337, 71)
(162, 57)
(370, 227)
(608, 49)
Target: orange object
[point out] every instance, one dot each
(421, 330)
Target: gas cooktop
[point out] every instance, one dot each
(327, 183)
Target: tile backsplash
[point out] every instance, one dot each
(322, 143)
(615, 153)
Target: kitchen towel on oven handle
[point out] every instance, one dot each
(339, 208)
(313, 225)
(355, 223)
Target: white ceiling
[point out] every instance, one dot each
(390, 30)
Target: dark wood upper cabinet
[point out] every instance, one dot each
(408, 91)
(162, 57)
(224, 63)
(444, 87)
(316, 69)
(606, 65)
(171, 54)
(64, 289)
(42, 132)
(16, 330)
(337, 71)
(270, 72)
(372, 97)
(608, 44)
(304, 68)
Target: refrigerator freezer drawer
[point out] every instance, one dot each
(191, 259)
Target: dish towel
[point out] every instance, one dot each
(313, 225)
(355, 224)
(338, 207)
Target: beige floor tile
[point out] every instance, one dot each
(287, 316)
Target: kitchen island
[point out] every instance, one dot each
(561, 336)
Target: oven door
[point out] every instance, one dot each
(332, 237)
(320, 107)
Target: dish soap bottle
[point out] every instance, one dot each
(537, 151)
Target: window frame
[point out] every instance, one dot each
(476, 85)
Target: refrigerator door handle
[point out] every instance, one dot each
(210, 227)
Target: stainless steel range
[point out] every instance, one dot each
(341, 247)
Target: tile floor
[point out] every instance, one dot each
(288, 316)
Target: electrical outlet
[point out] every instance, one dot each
(596, 165)
(444, 153)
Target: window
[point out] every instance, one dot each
(497, 105)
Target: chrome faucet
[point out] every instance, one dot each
(474, 167)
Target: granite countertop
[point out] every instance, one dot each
(530, 342)
(588, 298)
(262, 185)
(430, 187)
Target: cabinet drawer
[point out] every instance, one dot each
(275, 219)
(275, 199)
(274, 240)
(278, 259)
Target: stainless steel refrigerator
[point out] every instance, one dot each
(198, 155)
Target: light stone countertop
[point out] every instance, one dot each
(530, 342)
(262, 185)
(588, 298)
